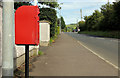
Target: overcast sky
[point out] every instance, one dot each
(71, 8)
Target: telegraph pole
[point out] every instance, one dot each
(7, 38)
(60, 17)
(81, 13)
(117, 0)
(60, 21)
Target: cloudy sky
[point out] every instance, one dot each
(71, 8)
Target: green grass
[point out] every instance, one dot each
(109, 34)
(71, 26)
(40, 53)
(51, 40)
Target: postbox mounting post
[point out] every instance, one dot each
(26, 61)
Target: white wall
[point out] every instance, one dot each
(20, 50)
(44, 32)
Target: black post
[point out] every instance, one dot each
(26, 61)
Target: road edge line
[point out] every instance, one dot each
(98, 55)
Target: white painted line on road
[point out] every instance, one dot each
(98, 55)
(114, 40)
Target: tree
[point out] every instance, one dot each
(107, 22)
(92, 21)
(82, 26)
(62, 23)
(50, 15)
(116, 15)
(18, 4)
(51, 4)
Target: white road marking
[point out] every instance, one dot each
(114, 40)
(99, 56)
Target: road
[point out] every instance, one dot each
(105, 47)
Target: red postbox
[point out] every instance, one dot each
(27, 25)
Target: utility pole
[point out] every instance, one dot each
(108, 2)
(60, 21)
(7, 38)
(81, 13)
(60, 16)
(117, 0)
(77, 23)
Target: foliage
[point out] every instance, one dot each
(110, 34)
(52, 39)
(58, 30)
(40, 53)
(50, 15)
(116, 15)
(70, 27)
(18, 4)
(105, 20)
(51, 4)
(103, 23)
(62, 23)
(92, 22)
(82, 25)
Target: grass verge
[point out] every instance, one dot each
(52, 39)
(108, 34)
(40, 53)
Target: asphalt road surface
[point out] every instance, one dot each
(105, 47)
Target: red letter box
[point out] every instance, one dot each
(27, 25)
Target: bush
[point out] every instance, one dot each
(40, 53)
(50, 15)
(82, 26)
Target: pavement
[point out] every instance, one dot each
(66, 57)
